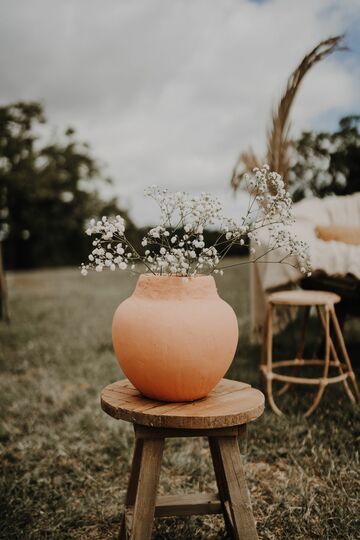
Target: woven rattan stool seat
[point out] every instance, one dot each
(304, 298)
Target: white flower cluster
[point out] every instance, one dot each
(270, 193)
(271, 209)
(177, 246)
(283, 240)
(111, 248)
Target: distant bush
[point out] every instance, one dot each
(47, 191)
(327, 163)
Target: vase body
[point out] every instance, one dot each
(174, 338)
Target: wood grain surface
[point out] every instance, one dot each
(230, 403)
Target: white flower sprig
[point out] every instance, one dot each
(177, 246)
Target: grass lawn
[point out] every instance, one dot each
(64, 463)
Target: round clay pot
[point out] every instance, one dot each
(174, 338)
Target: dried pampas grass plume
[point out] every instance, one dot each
(278, 140)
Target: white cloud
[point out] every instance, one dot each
(170, 92)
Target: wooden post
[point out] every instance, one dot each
(4, 308)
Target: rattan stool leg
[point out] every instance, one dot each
(301, 347)
(344, 351)
(323, 382)
(268, 372)
(242, 518)
(336, 358)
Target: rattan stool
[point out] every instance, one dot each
(324, 303)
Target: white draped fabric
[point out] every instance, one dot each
(331, 257)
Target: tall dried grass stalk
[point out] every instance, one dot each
(278, 140)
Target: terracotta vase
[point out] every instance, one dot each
(174, 338)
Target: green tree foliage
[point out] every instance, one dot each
(327, 163)
(48, 191)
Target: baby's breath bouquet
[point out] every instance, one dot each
(177, 245)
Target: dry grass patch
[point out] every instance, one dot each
(64, 464)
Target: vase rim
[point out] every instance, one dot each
(150, 275)
(166, 286)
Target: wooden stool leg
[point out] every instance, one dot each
(221, 484)
(132, 485)
(239, 499)
(148, 479)
(344, 351)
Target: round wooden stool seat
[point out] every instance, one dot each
(230, 403)
(304, 298)
(221, 417)
(335, 355)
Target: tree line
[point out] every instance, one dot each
(48, 190)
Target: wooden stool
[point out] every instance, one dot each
(324, 304)
(221, 417)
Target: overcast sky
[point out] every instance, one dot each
(170, 91)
